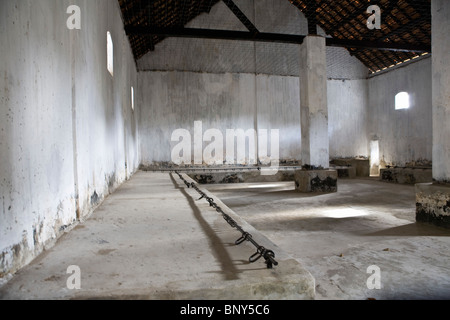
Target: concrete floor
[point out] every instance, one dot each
(339, 236)
(154, 239)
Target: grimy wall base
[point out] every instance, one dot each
(316, 180)
(407, 175)
(433, 203)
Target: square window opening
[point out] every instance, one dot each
(402, 101)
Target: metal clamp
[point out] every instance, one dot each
(268, 255)
(245, 237)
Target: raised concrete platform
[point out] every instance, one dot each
(242, 176)
(316, 180)
(407, 175)
(433, 203)
(362, 166)
(153, 239)
(344, 172)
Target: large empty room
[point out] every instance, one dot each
(224, 150)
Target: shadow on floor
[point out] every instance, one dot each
(414, 229)
(230, 272)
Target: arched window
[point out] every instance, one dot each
(110, 53)
(132, 98)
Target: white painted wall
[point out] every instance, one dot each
(175, 100)
(404, 136)
(36, 167)
(348, 118)
(66, 126)
(278, 107)
(103, 104)
(237, 84)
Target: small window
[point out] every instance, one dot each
(402, 101)
(110, 53)
(132, 98)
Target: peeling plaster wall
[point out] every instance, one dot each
(405, 136)
(66, 126)
(105, 122)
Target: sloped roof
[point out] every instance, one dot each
(405, 26)
(403, 21)
(159, 13)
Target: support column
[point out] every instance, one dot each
(433, 199)
(315, 176)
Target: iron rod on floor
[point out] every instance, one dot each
(261, 252)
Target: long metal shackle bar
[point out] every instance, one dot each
(268, 255)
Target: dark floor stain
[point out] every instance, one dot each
(105, 252)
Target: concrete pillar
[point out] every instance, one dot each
(314, 119)
(433, 199)
(313, 102)
(441, 89)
